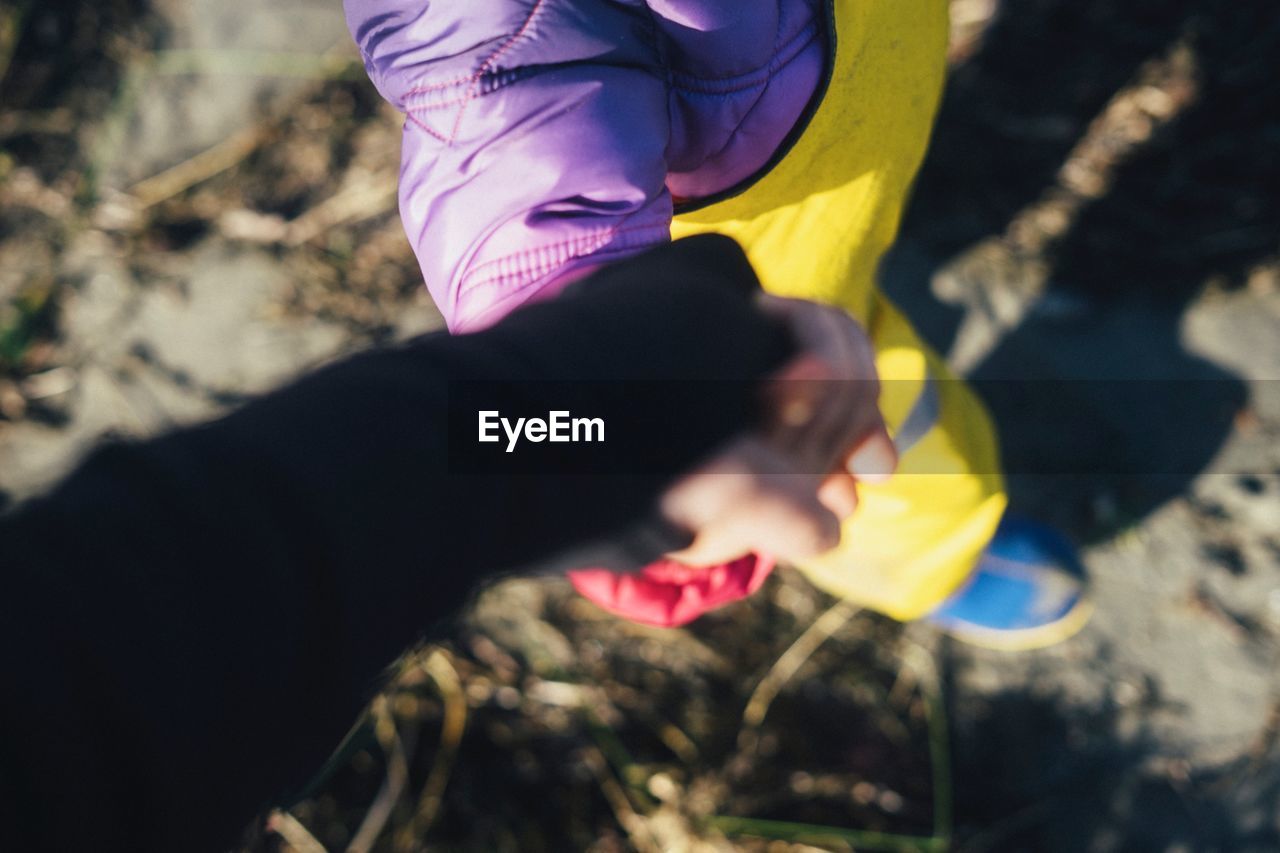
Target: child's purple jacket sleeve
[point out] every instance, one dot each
(544, 137)
(534, 141)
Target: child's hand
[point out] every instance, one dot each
(784, 489)
(753, 497)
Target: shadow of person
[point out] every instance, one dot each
(1103, 412)
(1104, 417)
(1015, 108)
(1059, 776)
(1201, 200)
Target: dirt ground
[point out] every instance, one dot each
(197, 203)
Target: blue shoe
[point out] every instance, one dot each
(1027, 592)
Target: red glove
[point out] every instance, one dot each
(669, 594)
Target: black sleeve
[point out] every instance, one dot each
(188, 625)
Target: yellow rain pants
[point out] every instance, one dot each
(815, 225)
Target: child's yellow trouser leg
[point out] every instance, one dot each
(914, 539)
(815, 226)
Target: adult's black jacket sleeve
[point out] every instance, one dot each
(188, 625)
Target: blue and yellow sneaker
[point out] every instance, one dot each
(1027, 592)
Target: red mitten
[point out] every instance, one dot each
(667, 593)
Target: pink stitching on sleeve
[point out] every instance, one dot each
(419, 90)
(537, 261)
(423, 127)
(426, 108)
(474, 88)
(472, 82)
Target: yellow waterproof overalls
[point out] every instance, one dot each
(815, 226)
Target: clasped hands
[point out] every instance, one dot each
(785, 487)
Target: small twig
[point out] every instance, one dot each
(293, 832)
(671, 735)
(58, 121)
(861, 839)
(332, 65)
(786, 666)
(609, 744)
(197, 169)
(441, 670)
(375, 820)
(358, 201)
(616, 796)
(921, 662)
(11, 21)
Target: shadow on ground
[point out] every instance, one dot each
(1197, 200)
(1052, 776)
(1105, 413)
(1194, 201)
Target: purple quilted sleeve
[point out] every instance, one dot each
(534, 140)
